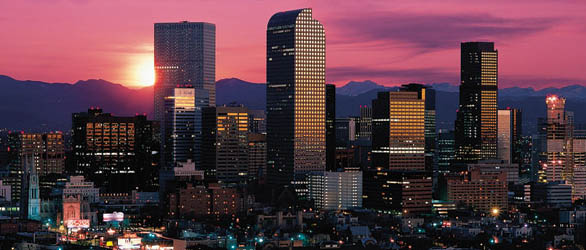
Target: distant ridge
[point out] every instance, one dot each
(42, 106)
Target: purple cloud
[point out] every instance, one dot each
(433, 31)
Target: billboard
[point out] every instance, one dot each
(78, 223)
(129, 243)
(116, 216)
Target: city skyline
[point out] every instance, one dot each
(116, 50)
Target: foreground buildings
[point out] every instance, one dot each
(115, 151)
(296, 105)
(398, 180)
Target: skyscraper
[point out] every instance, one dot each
(296, 106)
(46, 153)
(225, 143)
(398, 129)
(185, 53)
(114, 151)
(398, 180)
(560, 144)
(330, 127)
(428, 95)
(476, 122)
(505, 135)
(182, 127)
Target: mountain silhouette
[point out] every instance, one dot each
(42, 106)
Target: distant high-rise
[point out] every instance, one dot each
(428, 95)
(398, 131)
(115, 152)
(296, 108)
(364, 126)
(505, 135)
(185, 53)
(517, 136)
(182, 129)
(225, 143)
(560, 144)
(445, 150)
(476, 122)
(257, 157)
(45, 151)
(398, 179)
(330, 127)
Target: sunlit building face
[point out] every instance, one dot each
(295, 94)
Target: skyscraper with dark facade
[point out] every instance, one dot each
(46, 153)
(398, 179)
(427, 94)
(182, 129)
(476, 122)
(225, 143)
(330, 127)
(115, 151)
(398, 120)
(296, 108)
(185, 53)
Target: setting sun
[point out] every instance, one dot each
(144, 71)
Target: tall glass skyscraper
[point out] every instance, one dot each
(476, 122)
(183, 124)
(296, 53)
(185, 55)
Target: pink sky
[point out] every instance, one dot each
(541, 43)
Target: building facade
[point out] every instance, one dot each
(225, 143)
(115, 151)
(398, 141)
(185, 53)
(330, 127)
(296, 108)
(482, 190)
(336, 190)
(476, 122)
(505, 135)
(183, 125)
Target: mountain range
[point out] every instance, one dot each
(42, 106)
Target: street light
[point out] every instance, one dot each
(495, 211)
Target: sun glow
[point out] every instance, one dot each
(143, 70)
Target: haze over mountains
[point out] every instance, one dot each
(41, 106)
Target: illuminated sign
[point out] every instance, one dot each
(129, 243)
(116, 216)
(78, 223)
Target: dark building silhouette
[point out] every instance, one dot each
(476, 122)
(330, 127)
(398, 180)
(225, 143)
(296, 108)
(115, 152)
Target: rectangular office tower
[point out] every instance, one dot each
(476, 122)
(330, 127)
(116, 152)
(428, 95)
(182, 128)
(185, 53)
(296, 108)
(398, 136)
(225, 153)
(560, 141)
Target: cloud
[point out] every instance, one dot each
(432, 31)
